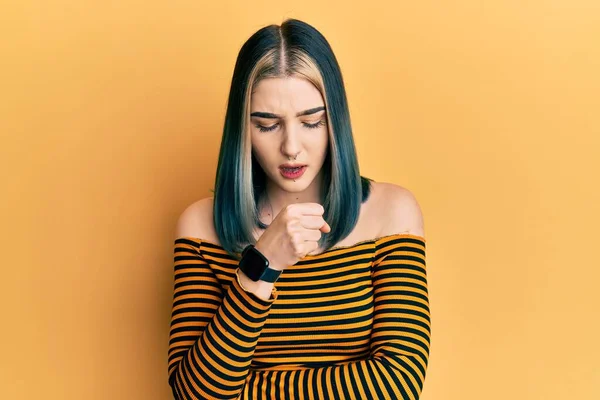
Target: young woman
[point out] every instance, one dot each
(300, 278)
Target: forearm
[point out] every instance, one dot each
(216, 364)
(379, 377)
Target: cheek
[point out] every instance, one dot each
(258, 154)
(322, 144)
(262, 154)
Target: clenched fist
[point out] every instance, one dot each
(294, 233)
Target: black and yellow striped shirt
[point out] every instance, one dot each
(350, 323)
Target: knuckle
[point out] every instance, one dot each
(295, 250)
(289, 225)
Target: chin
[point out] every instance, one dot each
(295, 187)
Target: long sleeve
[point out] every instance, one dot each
(400, 337)
(213, 332)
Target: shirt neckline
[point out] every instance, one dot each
(373, 240)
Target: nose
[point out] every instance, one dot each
(290, 145)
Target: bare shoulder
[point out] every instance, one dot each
(197, 221)
(400, 211)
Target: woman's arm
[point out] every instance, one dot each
(213, 335)
(400, 337)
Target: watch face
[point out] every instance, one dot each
(253, 264)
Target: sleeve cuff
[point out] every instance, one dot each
(253, 298)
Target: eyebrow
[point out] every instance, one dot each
(271, 115)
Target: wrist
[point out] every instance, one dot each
(247, 284)
(270, 257)
(260, 288)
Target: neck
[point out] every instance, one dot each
(279, 198)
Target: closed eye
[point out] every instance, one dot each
(266, 128)
(316, 125)
(305, 124)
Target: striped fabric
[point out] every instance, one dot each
(350, 323)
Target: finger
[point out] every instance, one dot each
(312, 222)
(311, 209)
(311, 235)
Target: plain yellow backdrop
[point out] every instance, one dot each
(488, 111)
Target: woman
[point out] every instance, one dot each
(300, 278)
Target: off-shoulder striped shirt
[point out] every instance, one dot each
(349, 323)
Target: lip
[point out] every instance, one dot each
(292, 165)
(292, 175)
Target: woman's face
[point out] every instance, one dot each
(288, 120)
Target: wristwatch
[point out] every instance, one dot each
(256, 266)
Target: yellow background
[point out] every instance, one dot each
(488, 111)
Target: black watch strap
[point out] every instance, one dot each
(270, 275)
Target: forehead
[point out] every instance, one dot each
(285, 96)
